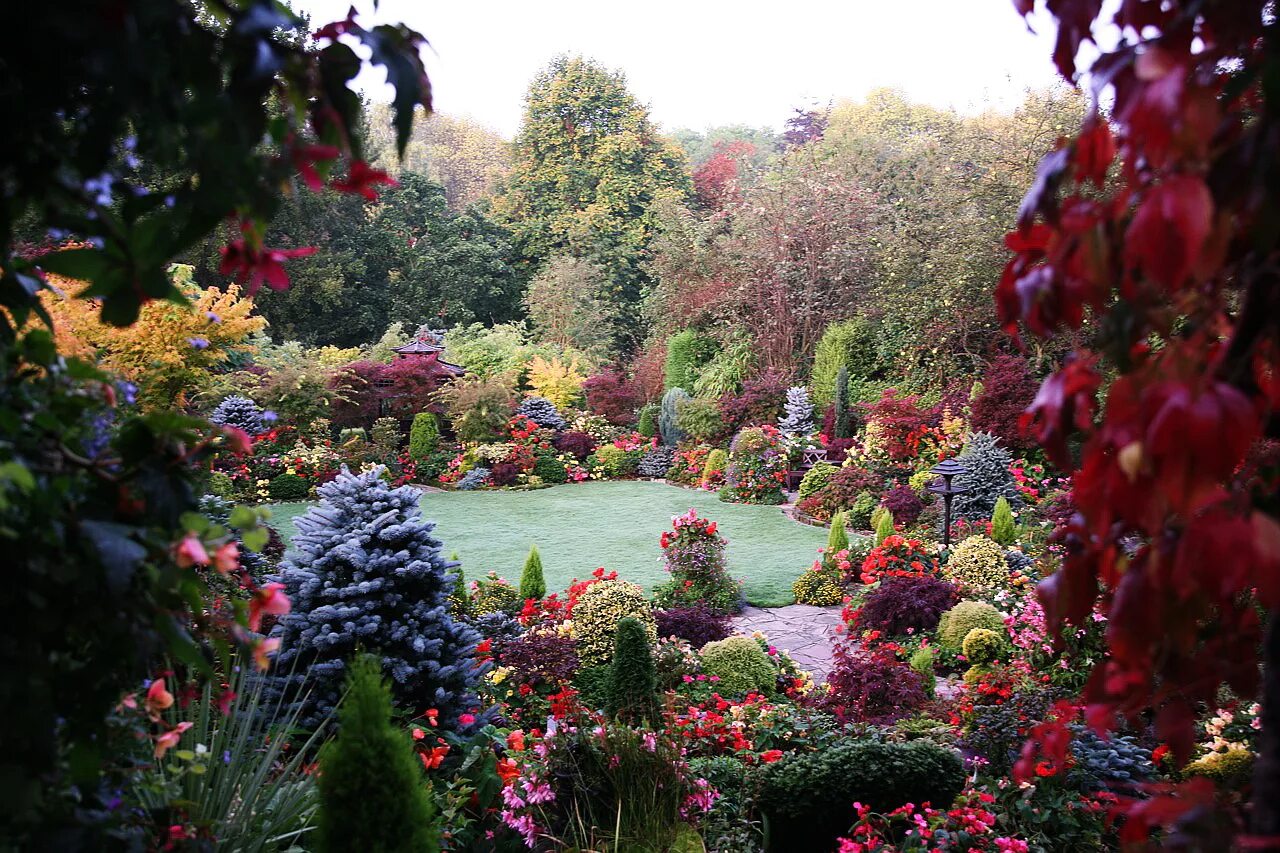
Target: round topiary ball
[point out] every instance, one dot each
(741, 665)
(957, 622)
(977, 563)
(982, 646)
(599, 610)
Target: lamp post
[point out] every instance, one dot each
(946, 470)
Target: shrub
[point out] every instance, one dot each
(901, 605)
(239, 412)
(505, 474)
(982, 646)
(288, 487)
(616, 462)
(892, 423)
(956, 623)
(478, 407)
(1116, 762)
(859, 515)
(819, 586)
(578, 444)
(903, 504)
(424, 436)
(532, 583)
(922, 662)
(550, 469)
(700, 419)
(987, 478)
(797, 416)
(1003, 528)
(883, 525)
(365, 572)
(632, 685)
(898, 556)
(647, 421)
(474, 479)
(372, 794)
(613, 396)
(542, 412)
(808, 796)
(597, 613)
(866, 687)
(656, 461)
(559, 383)
(221, 485)
(698, 623)
(849, 347)
(816, 478)
(741, 665)
(1228, 768)
(687, 351)
(757, 467)
(1008, 387)
(977, 564)
(668, 417)
(845, 487)
(493, 594)
(837, 536)
(694, 555)
(714, 470)
(760, 402)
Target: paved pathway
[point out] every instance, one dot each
(801, 630)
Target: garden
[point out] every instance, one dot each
(371, 481)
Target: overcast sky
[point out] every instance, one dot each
(704, 63)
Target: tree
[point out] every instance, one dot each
(798, 416)
(718, 182)
(565, 307)
(372, 794)
(365, 573)
(633, 690)
(532, 583)
(589, 165)
(1171, 251)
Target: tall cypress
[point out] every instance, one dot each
(532, 584)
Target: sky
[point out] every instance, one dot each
(701, 64)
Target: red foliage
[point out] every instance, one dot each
(649, 366)
(761, 402)
(407, 386)
(716, 182)
(613, 396)
(357, 384)
(1177, 248)
(896, 419)
(1008, 387)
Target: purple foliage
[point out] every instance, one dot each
(761, 402)
(905, 604)
(575, 442)
(903, 502)
(838, 449)
(866, 687)
(699, 623)
(504, 474)
(540, 658)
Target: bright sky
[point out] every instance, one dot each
(700, 63)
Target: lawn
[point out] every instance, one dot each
(582, 526)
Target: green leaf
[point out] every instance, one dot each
(85, 264)
(255, 539)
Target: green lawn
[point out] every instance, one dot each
(582, 526)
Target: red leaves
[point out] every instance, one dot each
(362, 179)
(1075, 27)
(1163, 807)
(250, 263)
(1047, 750)
(1065, 403)
(1095, 150)
(1169, 230)
(305, 159)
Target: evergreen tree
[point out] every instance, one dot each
(424, 436)
(987, 478)
(797, 418)
(542, 412)
(840, 401)
(884, 527)
(669, 415)
(532, 584)
(1003, 528)
(633, 688)
(372, 794)
(239, 412)
(365, 573)
(837, 537)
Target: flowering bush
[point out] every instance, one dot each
(821, 586)
(493, 594)
(757, 467)
(977, 565)
(689, 464)
(893, 427)
(713, 471)
(694, 555)
(904, 605)
(529, 670)
(967, 824)
(898, 557)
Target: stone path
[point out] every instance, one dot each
(801, 630)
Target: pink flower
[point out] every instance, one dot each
(190, 552)
(268, 598)
(158, 698)
(467, 719)
(170, 739)
(227, 558)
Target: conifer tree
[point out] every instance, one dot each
(1003, 528)
(798, 416)
(424, 436)
(532, 584)
(239, 412)
(633, 686)
(837, 537)
(884, 527)
(365, 573)
(840, 399)
(372, 794)
(987, 478)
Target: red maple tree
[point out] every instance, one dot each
(1157, 224)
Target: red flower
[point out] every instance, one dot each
(361, 179)
(771, 756)
(268, 598)
(252, 263)
(191, 552)
(515, 741)
(431, 760)
(304, 159)
(508, 771)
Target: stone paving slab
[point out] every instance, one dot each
(803, 631)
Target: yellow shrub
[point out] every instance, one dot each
(597, 613)
(559, 382)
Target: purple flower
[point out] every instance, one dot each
(213, 318)
(198, 343)
(269, 417)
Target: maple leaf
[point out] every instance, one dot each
(1169, 229)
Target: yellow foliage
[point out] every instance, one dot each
(170, 351)
(559, 382)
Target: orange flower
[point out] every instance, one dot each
(515, 741)
(433, 716)
(169, 739)
(508, 771)
(262, 651)
(431, 760)
(158, 698)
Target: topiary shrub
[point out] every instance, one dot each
(424, 436)
(532, 583)
(493, 594)
(808, 796)
(576, 443)
(816, 478)
(955, 624)
(632, 693)
(982, 646)
(977, 564)
(239, 412)
(288, 487)
(365, 573)
(699, 623)
(656, 461)
(867, 687)
(740, 664)
(372, 793)
(819, 587)
(1003, 528)
(647, 424)
(542, 412)
(549, 469)
(987, 478)
(901, 605)
(668, 417)
(474, 479)
(597, 613)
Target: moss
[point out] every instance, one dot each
(741, 665)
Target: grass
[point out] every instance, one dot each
(579, 527)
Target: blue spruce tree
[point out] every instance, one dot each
(798, 416)
(366, 574)
(542, 412)
(239, 412)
